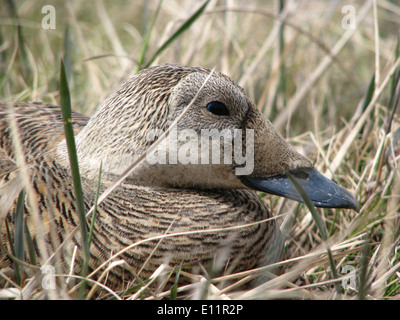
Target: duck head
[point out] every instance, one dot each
(221, 141)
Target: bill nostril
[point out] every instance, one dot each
(301, 175)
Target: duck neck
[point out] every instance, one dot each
(93, 152)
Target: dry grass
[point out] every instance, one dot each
(310, 76)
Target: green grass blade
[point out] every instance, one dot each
(73, 159)
(310, 206)
(19, 226)
(19, 236)
(394, 90)
(96, 199)
(174, 288)
(68, 50)
(281, 88)
(185, 26)
(363, 284)
(27, 70)
(147, 38)
(370, 93)
(320, 226)
(31, 246)
(12, 255)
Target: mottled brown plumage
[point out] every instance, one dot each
(157, 198)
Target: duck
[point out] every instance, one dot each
(200, 186)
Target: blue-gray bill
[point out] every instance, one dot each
(322, 191)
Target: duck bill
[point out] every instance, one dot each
(322, 191)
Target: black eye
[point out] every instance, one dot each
(218, 108)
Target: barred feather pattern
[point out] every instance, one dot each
(131, 213)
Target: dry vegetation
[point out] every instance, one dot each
(331, 91)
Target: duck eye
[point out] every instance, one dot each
(218, 108)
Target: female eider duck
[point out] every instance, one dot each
(186, 186)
